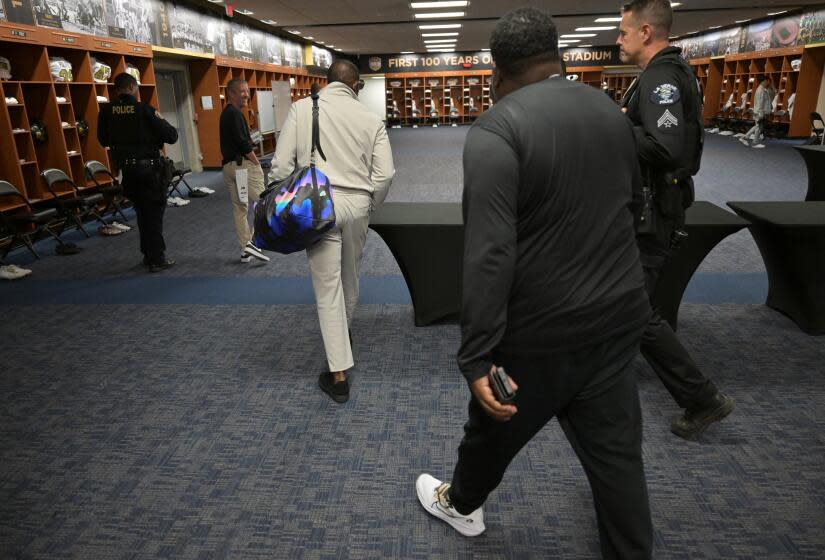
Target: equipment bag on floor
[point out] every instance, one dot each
(294, 213)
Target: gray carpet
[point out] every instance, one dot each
(196, 430)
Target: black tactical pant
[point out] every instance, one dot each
(593, 393)
(660, 346)
(142, 185)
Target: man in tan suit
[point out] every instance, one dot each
(359, 166)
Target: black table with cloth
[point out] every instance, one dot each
(814, 157)
(426, 240)
(791, 237)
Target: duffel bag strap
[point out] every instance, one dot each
(316, 140)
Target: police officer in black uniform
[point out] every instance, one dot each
(665, 107)
(136, 133)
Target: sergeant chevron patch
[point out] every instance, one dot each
(667, 120)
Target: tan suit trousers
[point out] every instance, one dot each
(335, 264)
(254, 190)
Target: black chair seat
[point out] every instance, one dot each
(92, 199)
(79, 202)
(40, 216)
(109, 190)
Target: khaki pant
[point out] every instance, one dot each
(335, 263)
(241, 209)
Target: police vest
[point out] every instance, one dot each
(130, 132)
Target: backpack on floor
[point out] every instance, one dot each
(293, 214)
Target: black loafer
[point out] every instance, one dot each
(157, 267)
(339, 392)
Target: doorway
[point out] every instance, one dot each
(172, 101)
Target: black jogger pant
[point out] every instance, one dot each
(593, 393)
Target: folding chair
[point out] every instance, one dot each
(72, 205)
(25, 223)
(112, 192)
(817, 129)
(178, 177)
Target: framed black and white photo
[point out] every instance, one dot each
(85, 16)
(49, 13)
(189, 30)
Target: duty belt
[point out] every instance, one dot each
(135, 162)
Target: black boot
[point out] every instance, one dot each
(693, 422)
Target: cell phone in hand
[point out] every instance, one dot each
(502, 389)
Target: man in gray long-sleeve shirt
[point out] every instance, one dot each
(553, 288)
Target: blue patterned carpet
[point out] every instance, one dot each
(176, 415)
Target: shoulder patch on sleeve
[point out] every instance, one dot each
(665, 94)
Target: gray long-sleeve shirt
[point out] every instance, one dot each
(550, 257)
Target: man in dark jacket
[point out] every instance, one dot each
(665, 106)
(553, 289)
(136, 133)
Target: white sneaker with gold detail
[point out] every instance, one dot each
(433, 495)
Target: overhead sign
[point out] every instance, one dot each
(431, 62)
(592, 56)
(483, 60)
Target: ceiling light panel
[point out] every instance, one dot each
(441, 26)
(448, 34)
(607, 19)
(598, 28)
(439, 15)
(437, 5)
(577, 35)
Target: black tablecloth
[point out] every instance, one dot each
(706, 225)
(814, 157)
(427, 241)
(791, 238)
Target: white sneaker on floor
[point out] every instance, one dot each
(11, 272)
(739, 135)
(726, 133)
(25, 271)
(432, 493)
(252, 251)
(246, 258)
(714, 130)
(121, 227)
(744, 141)
(758, 146)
